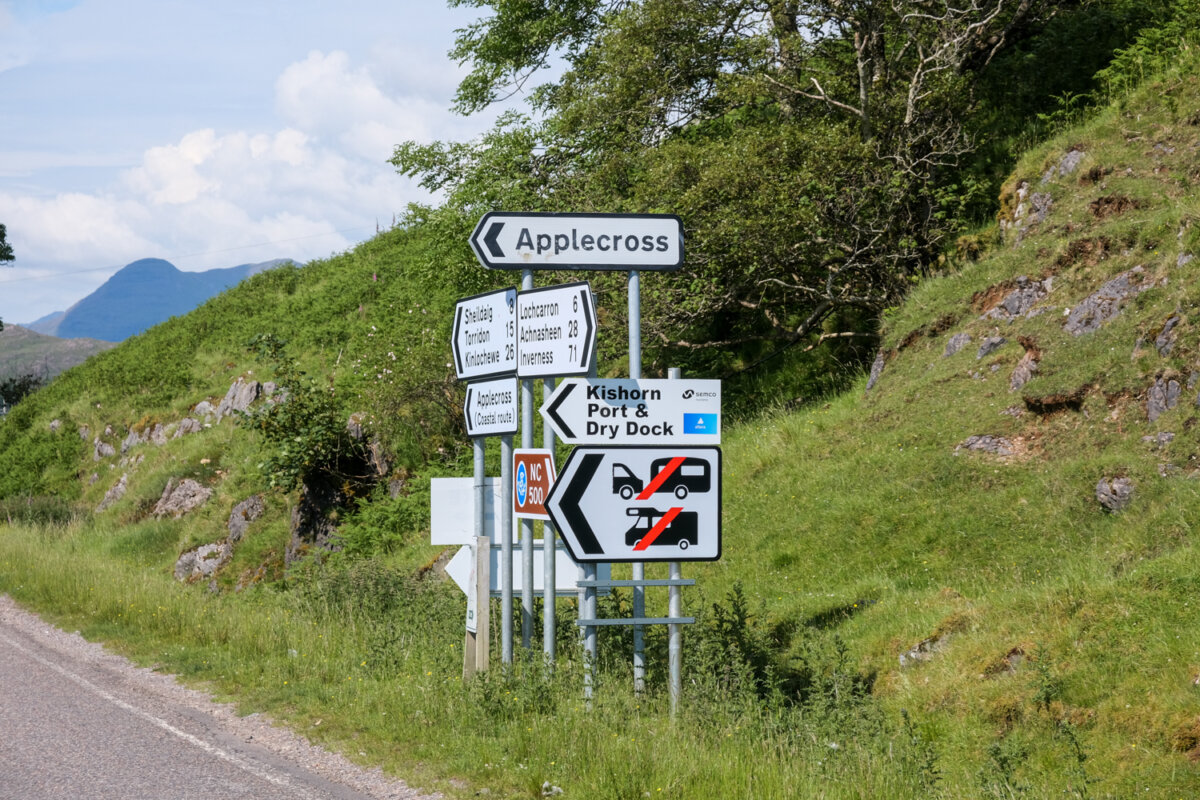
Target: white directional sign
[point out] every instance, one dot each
(556, 330)
(579, 241)
(639, 504)
(566, 573)
(633, 411)
(491, 407)
(485, 335)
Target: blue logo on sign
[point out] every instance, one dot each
(701, 423)
(522, 483)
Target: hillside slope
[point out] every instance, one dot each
(995, 540)
(24, 352)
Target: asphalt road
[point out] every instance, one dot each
(79, 722)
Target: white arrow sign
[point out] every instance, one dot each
(491, 407)
(635, 411)
(566, 573)
(556, 330)
(639, 504)
(504, 240)
(485, 335)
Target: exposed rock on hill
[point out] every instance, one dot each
(178, 498)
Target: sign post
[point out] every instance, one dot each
(629, 411)
(639, 504)
(506, 240)
(556, 331)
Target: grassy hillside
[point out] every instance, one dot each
(920, 596)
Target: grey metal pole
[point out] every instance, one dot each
(474, 645)
(639, 569)
(506, 550)
(675, 610)
(587, 608)
(526, 524)
(549, 579)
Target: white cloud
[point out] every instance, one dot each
(313, 185)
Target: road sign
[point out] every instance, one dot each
(490, 408)
(556, 331)
(504, 240)
(635, 412)
(639, 504)
(533, 475)
(485, 335)
(452, 510)
(566, 573)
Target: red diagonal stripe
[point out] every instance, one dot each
(649, 538)
(661, 478)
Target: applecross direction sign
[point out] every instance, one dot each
(490, 408)
(485, 335)
(630, 411)
(504, 240)
(556, 330)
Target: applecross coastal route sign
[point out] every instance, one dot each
(485, 335)
(639, 504)
(643, 411)
(490, 408)
(556, 330)
(505, 240)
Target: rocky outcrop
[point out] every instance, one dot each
(990, 345)
(992, 445)
(102, 449)
(876, 370)
(239, 398)
(1163, 396)
(180, 498)
(1020, 301)
(1106, 302)
(242, 515)
(188, 425)
(1114, 493)
(114, 494)
(957, 342)
(203, 562)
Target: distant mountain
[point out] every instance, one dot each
(140, 296)
(26, 352)
(47, 325)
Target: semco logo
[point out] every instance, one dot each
(690, 393)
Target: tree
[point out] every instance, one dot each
(6, 254)
(6, 251)
(812, 147)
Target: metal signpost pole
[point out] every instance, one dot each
(479, 658)
(506, 550)
(639, 570)
(549, 579)
(527, 524)
(587, 609)
(675, 611)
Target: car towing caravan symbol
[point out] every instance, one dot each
(683, 475)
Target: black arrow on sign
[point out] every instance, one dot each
(458, 361)
(589, 336)
(577, 523)
(552, 412)
(490, 239)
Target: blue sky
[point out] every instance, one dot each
(208, 132)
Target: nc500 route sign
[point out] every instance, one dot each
(505, 240)
(639, 504)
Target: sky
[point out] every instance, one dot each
(210, 133)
